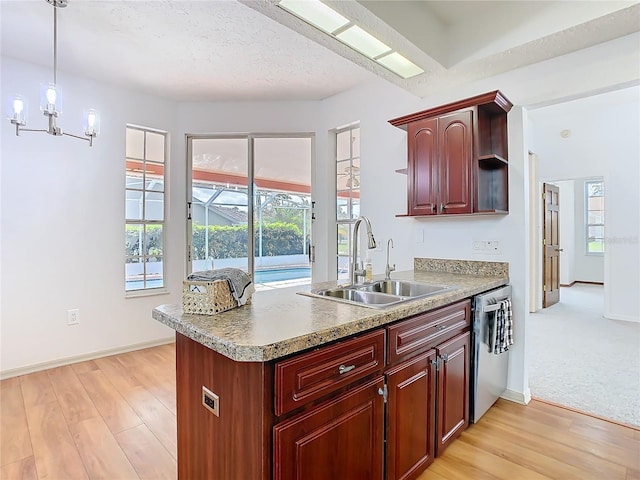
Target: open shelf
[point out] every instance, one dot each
(493, 187)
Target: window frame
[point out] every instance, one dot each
(144, 221)
(346, 223)
(587, 224)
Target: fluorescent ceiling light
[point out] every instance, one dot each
(400, 65)
(316, 13)
(329, 21)
(362, 41)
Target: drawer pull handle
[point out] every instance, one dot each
(344, 369)
(440, 327)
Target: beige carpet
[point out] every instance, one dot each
(582, 360)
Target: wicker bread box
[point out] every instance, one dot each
(207, 298)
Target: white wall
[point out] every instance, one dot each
(603, 143)
(63, 223)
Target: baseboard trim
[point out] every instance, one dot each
(582, 412)
(15, 372)
(523, 398)
(625, 318)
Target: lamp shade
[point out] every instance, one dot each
(50, 98)
(91, 122)
(17, 110)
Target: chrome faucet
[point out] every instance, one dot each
(356, 269)
(388, 269)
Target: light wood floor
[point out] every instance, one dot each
(114, 419)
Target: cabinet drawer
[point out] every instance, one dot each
(417, 334)
(309, 376)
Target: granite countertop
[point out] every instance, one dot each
(280, 322)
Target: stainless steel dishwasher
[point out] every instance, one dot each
(489, 371)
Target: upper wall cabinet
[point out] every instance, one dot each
(458, 157)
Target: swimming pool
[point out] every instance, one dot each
(261, 276)
(281, 274)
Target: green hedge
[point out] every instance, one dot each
(278, 238)
(154, 240)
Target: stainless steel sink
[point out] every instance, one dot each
(379, 294)
(404, 288)
(357, 296)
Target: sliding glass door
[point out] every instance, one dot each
(250, 206)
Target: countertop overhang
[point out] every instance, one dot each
(280, 322)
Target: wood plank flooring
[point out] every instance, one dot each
(114, 418)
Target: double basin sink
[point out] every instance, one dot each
(381, 293)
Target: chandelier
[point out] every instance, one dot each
(51, 99)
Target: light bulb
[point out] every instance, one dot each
(51, 94)
(50, 98)
(91, 122)
(18, 106)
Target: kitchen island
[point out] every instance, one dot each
(255, 381)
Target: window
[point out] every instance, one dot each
(594, 202)
(144, 205)
(251, 205)
(347, 192)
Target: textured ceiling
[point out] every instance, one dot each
(211, 50)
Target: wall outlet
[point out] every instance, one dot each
(487, 247)
(210, 401)
(73, 317)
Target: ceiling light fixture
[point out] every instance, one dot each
(51, 98)
(341, 28)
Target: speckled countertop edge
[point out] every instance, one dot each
(285, 321)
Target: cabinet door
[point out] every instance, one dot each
(455, 148)
(341, 439)
(422, 168)
(453, 390)
(411, 416)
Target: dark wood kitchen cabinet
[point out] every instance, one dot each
(339, 433)
(453, 390)
(377, 405)
(439, 164)
(458, 157)
(429, 365)
(339, 439)
(411, 416)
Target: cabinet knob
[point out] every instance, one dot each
(442, 207)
